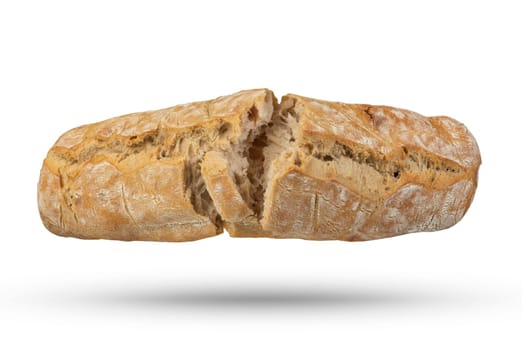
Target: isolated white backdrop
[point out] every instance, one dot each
(64, 64)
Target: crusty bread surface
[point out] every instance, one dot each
(301, 168)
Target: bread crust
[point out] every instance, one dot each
(361, 172)
(304, 168)
(130, 177)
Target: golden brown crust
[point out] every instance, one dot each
(128, 177)
(306, 169)
(362, 172)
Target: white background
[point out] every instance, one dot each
(64, 64)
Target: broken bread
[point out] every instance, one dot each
(302, 168)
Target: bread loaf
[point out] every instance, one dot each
(302, 168)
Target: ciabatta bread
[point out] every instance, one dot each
(304, 168)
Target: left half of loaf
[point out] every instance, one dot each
(156, 175)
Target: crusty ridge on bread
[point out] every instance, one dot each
(303, 168)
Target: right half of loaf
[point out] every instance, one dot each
(361, 172)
